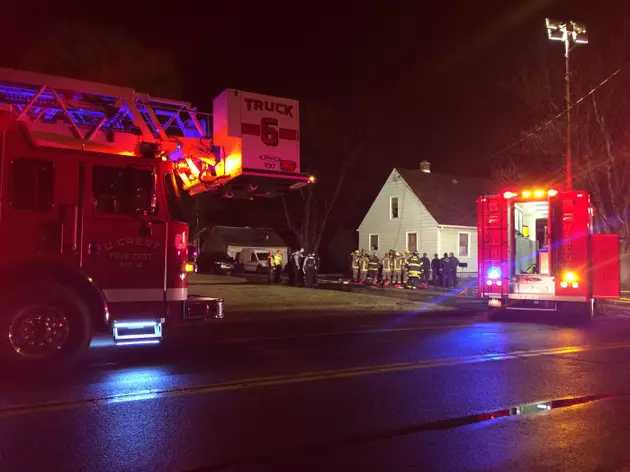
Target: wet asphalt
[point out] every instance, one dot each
(423, 391)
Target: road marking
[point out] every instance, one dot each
(339, 333)
(277, 380)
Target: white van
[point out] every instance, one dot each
(254, 259)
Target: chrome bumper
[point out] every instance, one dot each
(202, 308)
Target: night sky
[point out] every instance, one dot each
(431, 75)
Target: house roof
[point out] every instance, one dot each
(451, 200)
(249, 237)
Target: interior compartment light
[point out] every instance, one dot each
(494, 273)
(552, 192)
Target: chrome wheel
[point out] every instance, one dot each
(39, 331)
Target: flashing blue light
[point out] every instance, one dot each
(494, 273)
(138, 342)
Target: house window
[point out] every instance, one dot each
(32, 184)
(463, 248)
(374, 242)
(412, 242)
(393, 208)
(518, 221)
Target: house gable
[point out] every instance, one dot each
(393, 233)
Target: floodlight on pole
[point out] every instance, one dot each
(570, 33)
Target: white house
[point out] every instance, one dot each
(433, 213)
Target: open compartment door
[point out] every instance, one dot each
(605, 266)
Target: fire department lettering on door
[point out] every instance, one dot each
(123, 252)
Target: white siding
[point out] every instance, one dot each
(413, 217)
(449, 241)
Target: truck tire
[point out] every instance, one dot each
(588, 310)
(578, 313)
(44, 328)
(496, 314)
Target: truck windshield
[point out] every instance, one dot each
(174, 197)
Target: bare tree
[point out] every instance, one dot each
(600, 132)
(333, 150)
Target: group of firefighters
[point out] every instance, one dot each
(408, 270)
(303, 268)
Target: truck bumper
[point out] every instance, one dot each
(194, 310)
(202, 308)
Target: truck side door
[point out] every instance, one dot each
(40, 204)
(123, 239)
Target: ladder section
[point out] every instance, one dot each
(70, 113)
(493, 246)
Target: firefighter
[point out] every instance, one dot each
(397, 269)
(414, 271)
(453, 264)
(270, 266)
(426, 268)
(444, 266)
(387, 265)
(435, 270)
(278, 260)
(373, 264)
(363, 266)
(354, 265)
(310, 270)
(405, 267)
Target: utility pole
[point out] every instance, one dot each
(570, 33)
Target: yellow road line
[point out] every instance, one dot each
(303, 377)
(341, 333)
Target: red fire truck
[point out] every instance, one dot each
(538, 251)
(93, 179)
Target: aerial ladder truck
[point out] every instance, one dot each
(93, 180)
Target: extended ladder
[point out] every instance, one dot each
(86, 115)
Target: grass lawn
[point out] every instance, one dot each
(283, 298)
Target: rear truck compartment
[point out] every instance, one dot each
(537, 252)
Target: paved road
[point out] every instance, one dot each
(376, 392)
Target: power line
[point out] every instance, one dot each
(559, 115)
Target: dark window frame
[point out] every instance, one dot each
(122, 195)
(32, 195)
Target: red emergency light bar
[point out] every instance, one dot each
(538, 193)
